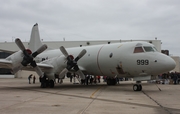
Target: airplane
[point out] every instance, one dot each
(136, 59)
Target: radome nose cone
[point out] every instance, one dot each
(163, 63)
(171, 64)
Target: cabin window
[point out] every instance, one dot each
(138, 50)
(148, 49)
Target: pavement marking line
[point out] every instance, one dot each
(95, 92)
(161, 106)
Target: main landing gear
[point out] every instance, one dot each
(111, 81)
(46, 83)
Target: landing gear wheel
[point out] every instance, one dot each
(140, 87)
(108, 82)
(137, 87)
(43, 85)
(51, 83)
(43, 82)
(114, 82)
(111, 81)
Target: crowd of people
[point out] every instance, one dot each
(165, 78)
(170, 78)
(90, 79)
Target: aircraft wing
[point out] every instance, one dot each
(5, 63)
(43, 67)
(8, 64)
(7, 51)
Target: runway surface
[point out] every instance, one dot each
(19, 97)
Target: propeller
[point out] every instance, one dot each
(72, 63)
(63, 50)
(29, 57)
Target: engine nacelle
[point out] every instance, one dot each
(16, 58)
(59, 63)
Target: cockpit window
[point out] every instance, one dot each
(148, 49)
(138, 50)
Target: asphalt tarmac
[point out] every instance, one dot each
(19, 97)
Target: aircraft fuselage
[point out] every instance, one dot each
(116, 59)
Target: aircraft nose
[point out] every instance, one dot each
(167, 63)
(170, 63)
(164, 63)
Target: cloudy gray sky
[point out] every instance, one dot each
(93, 20)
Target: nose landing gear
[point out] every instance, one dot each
(137, 87)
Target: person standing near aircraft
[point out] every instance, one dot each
(34, 79)
(175, 78)
(91, 79)
(99, 77)
(87, 79)
(69, 75)
(117, 79)
(178, 75)
(29, 78)
(82, 81)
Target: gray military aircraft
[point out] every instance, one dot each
(129, 59)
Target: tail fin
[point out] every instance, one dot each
(35, 41)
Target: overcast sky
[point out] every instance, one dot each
(93, 20)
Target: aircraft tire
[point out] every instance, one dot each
(108, 82)
(135, 87)
(51, 83)
(43, 85)
(114, 82)
(140, 87)
(111, 81)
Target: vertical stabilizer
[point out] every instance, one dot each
(35, 41)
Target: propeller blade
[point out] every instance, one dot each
(63, 50)
(81, 54)
(38, 71)
(63, 72)
(20, 44)
(40, 50)
(80, 73)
